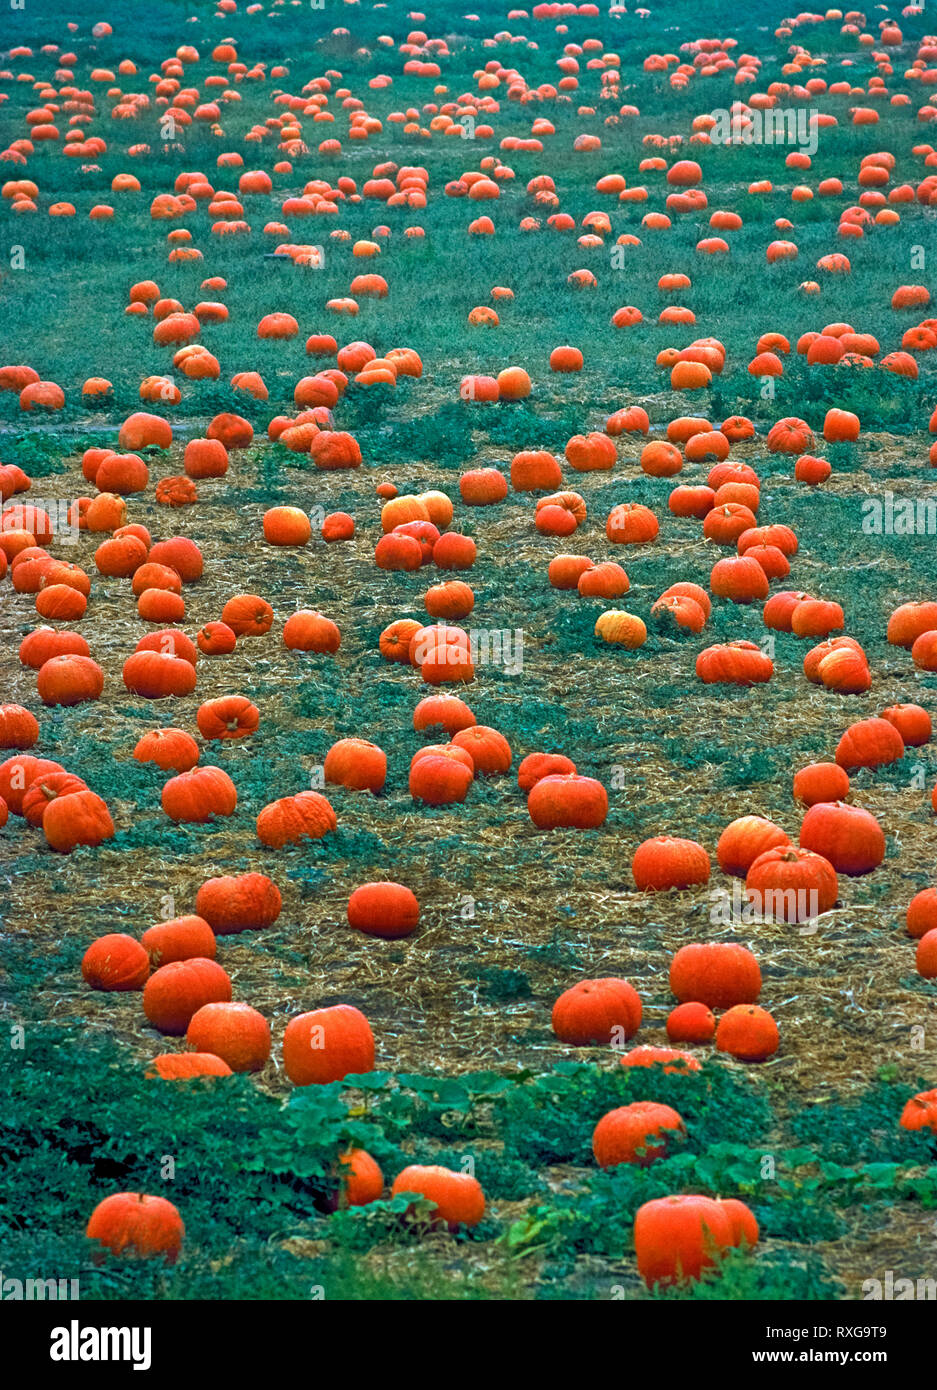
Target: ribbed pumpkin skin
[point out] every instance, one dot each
(233, 716)
(718, 974)
(308, 815)
(798, 882)
(176, 991)
(458, 1197)
(236, 1033)
(538, 765)
(676, 1238)
(180, 938)
(869, 743)
(663, 863)
(199, 795)
(849, 837)
(635, 1133)
(44, 790)
(78, 818)
(597, 1012)
(172, 750)
(135, 1225)
(115, 962)
(181, 1066)
(360, 1180)
(567, 802)
(236, 903)
(357, 764)
(155, 675)
(69, 680)
(390, 910)
(326, 1045)
(744, 840)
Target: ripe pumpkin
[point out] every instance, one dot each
(920, 1112)
(327, 1045)
(175, 992)
(869, 743)
(44, 790)
(925, 957)
(77, 818)
(628, 1134)
(922, 913)
(748, 1033)
(441, 776)
(786, 884)
(677, 1238)
(489, 750)
(247, 615)
(912, 722)
(849, 837)
(538, 765)
(597, 1012)
(671, 1060)
(357, 764)
(40, 646)
(621, 628)
(718, 974)
(182, 1066)
(457, 1197)
(69, 680)
(115, 962)
(233, 716)
(307, 631)
(360, 1180)
(389, 910)
(237, 903)
(137, 1226)
(308, 815)
(172, 750)
(663, 862)
(156, 675)
(744, 840)
(18, 773)
(18, 729)
(734, 663)
(179, 938)
(199, 795)
(567, 801)
(236, 1033)
(691, 1023)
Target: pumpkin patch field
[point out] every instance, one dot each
(468, 651)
